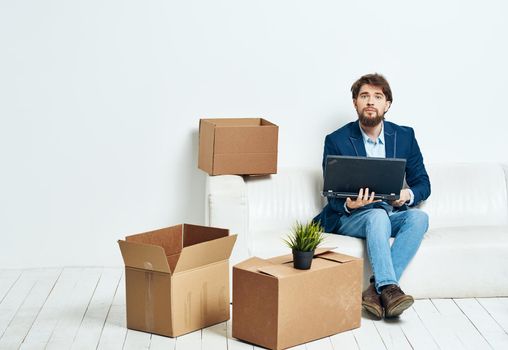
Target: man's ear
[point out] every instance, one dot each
(354, 103)
(389, 104)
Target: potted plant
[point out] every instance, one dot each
(303, 240)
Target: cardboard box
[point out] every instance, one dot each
(177, 278)
(238, 146)
(277, 306)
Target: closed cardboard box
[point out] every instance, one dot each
(177, 278)
(277, 306)
(238, 146)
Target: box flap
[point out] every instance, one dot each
(279, 271)
(324, 250)
(251, 264)
(266, 122)
(234, 122)
(205, 253)
(195, 234)
(284, 259)
(206, 142)
(342, 258)
(144, 256)
(169, 238)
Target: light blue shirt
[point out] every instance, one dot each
(377, 149)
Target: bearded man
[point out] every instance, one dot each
(374, 220)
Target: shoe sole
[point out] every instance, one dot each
(373, 311)
(398, 309)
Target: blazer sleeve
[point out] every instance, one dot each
(337, 204)
(416, 175)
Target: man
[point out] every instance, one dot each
(374, 220)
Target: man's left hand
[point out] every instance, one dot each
(404, 197)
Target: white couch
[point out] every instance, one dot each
(464, 253)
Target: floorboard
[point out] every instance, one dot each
(498, 310)
(415, 331)
(435, 323)
(158, 342)
(368, 337)
(190, 341)
(89, 333)
(136, 340)
(392, 334)
(457, 322)
(320, 344)
(7, 280)
(483, 321)
(52, 311)
(215, 337)
(28, 311)
(344, 340)
(15, 298)
(114, 331)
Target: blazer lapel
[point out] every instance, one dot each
(357, 141)
(390, 141)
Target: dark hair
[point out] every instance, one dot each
(375, 80)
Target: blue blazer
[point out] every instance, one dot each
(400, 142)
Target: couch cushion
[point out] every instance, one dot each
(278, 200)
(467, 194)
(463, 262)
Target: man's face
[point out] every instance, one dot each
(371, 105)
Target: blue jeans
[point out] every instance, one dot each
(376, 226)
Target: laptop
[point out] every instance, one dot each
(344, 176)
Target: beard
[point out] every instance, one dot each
(365, 120)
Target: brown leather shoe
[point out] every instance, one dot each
(371, 301)
(394, 300)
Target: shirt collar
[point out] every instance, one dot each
(380, 138)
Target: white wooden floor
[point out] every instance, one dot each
(84, 308)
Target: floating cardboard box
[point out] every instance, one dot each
(177, 278)
(238, 146)
(277, 306)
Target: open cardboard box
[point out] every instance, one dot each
(238, 146)
(277, 306)
(177, 278)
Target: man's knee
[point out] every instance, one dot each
(377, 216)
(419, 219)
(377, 223)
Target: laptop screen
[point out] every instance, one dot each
(346, 175)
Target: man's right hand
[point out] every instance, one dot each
(363, 199)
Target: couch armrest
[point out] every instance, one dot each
(226, 206)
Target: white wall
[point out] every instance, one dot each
(100, 101)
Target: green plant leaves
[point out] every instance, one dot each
(305, 237)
